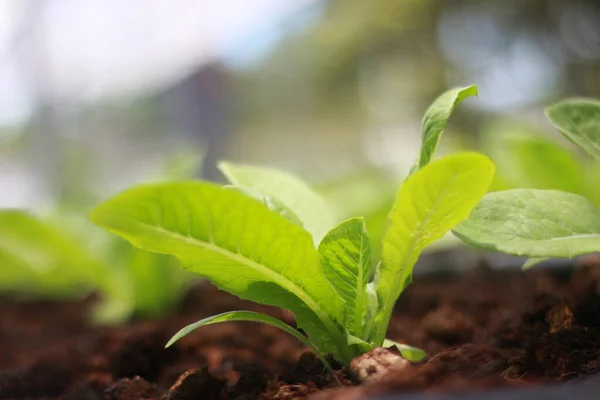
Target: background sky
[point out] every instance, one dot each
(82, 50)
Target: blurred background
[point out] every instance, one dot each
(96, 95)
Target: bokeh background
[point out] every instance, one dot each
(96, 95)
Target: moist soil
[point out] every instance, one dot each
(482, 329)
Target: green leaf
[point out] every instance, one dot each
(39, 257)
(290, 190)
(156, 280)
(533, 262)
(579, 121)
(358, 345)
(435, 119)
(235, 242)
(429, 203)
(269, 202)
(412, 354)
(533, 223)
(250, 316)
(346, 259)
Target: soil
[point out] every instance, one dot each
(483, 329)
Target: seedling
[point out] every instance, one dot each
(543, 224)
(257, 239)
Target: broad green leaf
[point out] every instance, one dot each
(346, 259)
(269, 202)
(579, 121)
(534, 162)
(249, 316)
(412, 354)
(235, 242)
(533, 262)
(429, 203)
(290, 190)
(533, 223)
(435, 119)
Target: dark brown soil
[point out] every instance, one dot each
(483, 329)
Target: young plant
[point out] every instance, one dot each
(543, 224)
(257, 240)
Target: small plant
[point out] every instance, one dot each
(270, 239)
(543, 224)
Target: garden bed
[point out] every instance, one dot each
(483, 330)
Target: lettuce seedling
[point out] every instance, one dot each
(256, 239)
(543, 224)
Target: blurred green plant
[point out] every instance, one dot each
(64, 255)
(526, 158)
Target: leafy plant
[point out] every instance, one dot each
(543, 224)
(256, 239)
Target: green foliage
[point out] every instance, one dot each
(427, 206)
(579, 121)
(270, 202)
(367, 192)
(234, 241)
(533, 223)
(257, 240)
(63, 254)
(39, 258)
(410, 353)
(346, 262)
(371, 192)
(543, 224)
(435, 120)
(284, 188)
(248, 316)
(252, 251)
(526, 159)
(156, 281)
